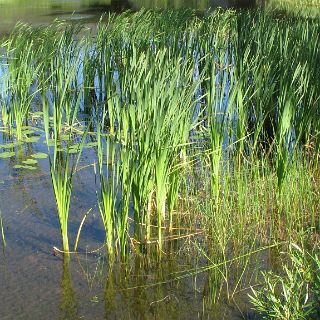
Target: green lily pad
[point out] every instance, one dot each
(7, 145)
(50, 142)
(65, 137)
(28, 131)
(11, 144)
(32, 139)
(30, 128)
(37, 113)
(39, 155)
(18, 166)
(7, 154)
(1, 181)
(30, 161)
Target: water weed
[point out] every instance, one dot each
(199, 125)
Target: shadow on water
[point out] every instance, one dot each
(69, 304)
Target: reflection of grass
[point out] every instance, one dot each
(42, 11)
(52, 4)
(2, 230)
(68, 305)
(306, 8)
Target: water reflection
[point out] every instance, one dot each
(45, 11)
(195, 4)
(150, 291)
(69, 303)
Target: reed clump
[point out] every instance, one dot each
(204, 123)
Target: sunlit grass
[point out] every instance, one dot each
(204, 124)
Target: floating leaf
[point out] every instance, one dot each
(39, 155)
(7, 154)
(18, 166)
(11, 144)
(7, 145)
(37, 113)
(50, 142)
(73, 150)
(30, 161)
(1, 181)
(65, 137)
(28, 131)
(32, 139)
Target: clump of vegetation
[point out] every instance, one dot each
(200, 126)
(294, 294)
(305, 8)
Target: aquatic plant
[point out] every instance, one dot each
(65, 109)
(108, 175)
(204, 125)
(18, 81)
(292, 295)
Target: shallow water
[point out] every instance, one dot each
(39, 12)
(37, 284)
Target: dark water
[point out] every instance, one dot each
(44, 11)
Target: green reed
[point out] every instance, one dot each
(19, 79)
(64, 106)
(108, 184)
(202, 124)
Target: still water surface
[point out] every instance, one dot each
(44, 11)
(37, 284)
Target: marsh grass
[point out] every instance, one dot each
(293, 294)
(63, 123)
(108, 179)
(204, 124)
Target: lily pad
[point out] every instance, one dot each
(18, 166)
(28, 131)
(37, 113)
(11, 144)
(7, 154)
(39, 155)
(50, 142)
(32, 139)
(65, 137)
(30, 161)
(7, 145)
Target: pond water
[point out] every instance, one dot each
(44, 11)
(37, 283)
